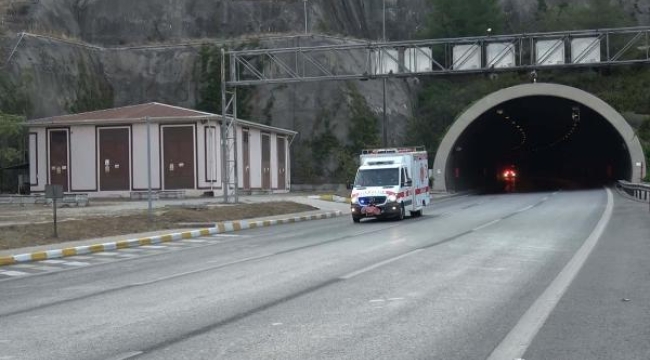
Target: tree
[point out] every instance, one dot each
(12, 135)
(457, 18)
(208, 80)
(363, 130)
(594, 14)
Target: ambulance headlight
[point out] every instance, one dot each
(354, 200)
(392, 198)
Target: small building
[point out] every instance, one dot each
(104, 153)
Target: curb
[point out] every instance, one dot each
(222, 227)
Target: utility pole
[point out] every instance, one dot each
(385, 119)
(306, 19)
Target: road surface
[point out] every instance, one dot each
(452, 284)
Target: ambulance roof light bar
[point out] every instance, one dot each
(399, 150)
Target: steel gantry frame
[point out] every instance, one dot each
(366, 60)
(482, 54)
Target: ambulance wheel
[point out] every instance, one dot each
(356, 220)
(402, 213)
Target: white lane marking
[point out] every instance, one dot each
(126, 356)
(174, 276)
(196, 241)
(153, 247)
(53, 261)
(106, 253)
(525, 209)
(229, 235)
(23, 266)
(75, 263)
(243, 260)
(276, 324)
(515, 344)
(396, 299)
(544, 198)
(46, 268)
(379, 264)
(486, 225)
(377, 300)
(14, 273)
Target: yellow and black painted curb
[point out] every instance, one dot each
(222, 227)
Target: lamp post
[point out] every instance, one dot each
(385, 117)
(306, 20)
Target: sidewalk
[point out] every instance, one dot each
(42, 252)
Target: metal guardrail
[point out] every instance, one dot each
(640, 191)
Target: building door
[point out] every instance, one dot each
(266, 161)
(282, 163)
(178, 157)
(247, 159)
(114, 164)
(59, 158)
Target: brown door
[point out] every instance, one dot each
(282, 164)
(178, 157)
(59, 158)
(266, 161)
(114, 164)
(247, 159)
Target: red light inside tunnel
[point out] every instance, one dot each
(509, 174)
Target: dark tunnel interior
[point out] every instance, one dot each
(547, 142)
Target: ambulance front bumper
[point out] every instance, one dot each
(390, 209)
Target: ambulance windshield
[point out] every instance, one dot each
(377, 177)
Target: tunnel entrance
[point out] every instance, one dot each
(537, 137)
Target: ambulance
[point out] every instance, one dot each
(390, 182)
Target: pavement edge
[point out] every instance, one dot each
(218, 228)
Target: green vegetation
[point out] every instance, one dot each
(442, 100)
(208, 81)
(455, 18)
(567, 15)
(91, 93)
(13, 107)
(325, 151)
(12, 135)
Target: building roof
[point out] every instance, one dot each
(151, 110)
(156, 112)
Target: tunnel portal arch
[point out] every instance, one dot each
(441, 166)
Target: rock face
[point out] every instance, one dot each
(109, 60)
(118, 22)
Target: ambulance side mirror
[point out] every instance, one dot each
(408, 183)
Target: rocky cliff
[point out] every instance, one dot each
(102, 53)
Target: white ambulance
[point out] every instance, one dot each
(391, 182)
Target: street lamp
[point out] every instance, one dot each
(305, 8)
(385, 119)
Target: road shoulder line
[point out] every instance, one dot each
(517, 341)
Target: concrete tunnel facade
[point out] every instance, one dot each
(443, 167)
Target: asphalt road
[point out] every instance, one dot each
(449, 285)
